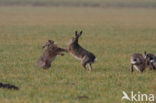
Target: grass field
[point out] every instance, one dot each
(112, 34)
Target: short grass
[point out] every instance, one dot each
(112, 34)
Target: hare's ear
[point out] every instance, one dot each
(46, 44)
(51, 41)
(145, 53)
(76, 33)
(80, 33)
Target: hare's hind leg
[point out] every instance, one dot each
(153, 66)
(84, 61)
(90, 67)
(47, 65)
(40, 63)
(84, 65)
(132, 68)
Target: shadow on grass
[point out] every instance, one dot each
(82, 97)
(9, 86)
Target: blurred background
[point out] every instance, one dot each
(84, 3)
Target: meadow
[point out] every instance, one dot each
(112, 34)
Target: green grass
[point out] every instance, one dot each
(112, 34)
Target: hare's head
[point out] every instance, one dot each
(48, 43)
(77, 35)
(150, 58)
(137, 59)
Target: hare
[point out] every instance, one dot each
(151, 60)
(138, 61)
(49, 54)
(80, 53)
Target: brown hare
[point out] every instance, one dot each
(151, 60)
(80, 53)
(138, 61)
(49, 54)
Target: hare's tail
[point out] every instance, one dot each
(95, 59)
(8, 86)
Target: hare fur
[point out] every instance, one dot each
(151, 60)
(80, 53)
(49, 54)
(138, 61)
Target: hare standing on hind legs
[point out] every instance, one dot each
(78, 52)
(50, 54)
